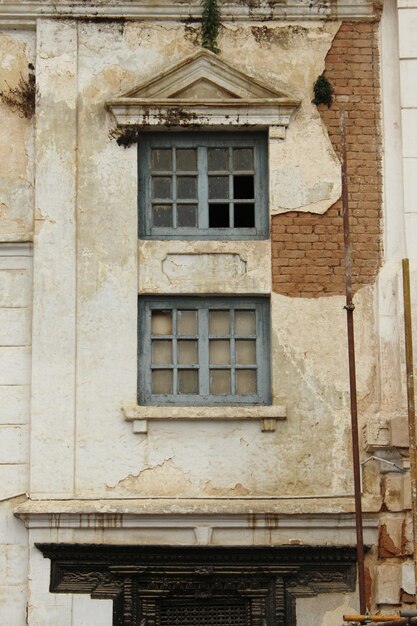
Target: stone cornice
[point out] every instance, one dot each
(316, 505)
(23, 14)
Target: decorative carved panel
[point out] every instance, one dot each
(155, 586)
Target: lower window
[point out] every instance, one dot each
(203, 350)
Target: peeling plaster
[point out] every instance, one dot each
(237, 490)
(305, 172)
(164, 479)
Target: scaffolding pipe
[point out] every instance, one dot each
(408, 332)
(350, 307)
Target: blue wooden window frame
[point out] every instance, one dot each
(203, 305)
(202, 142)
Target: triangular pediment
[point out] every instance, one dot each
(200, 76)
(203, 89)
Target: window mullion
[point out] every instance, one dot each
(174, 188)
(174, 352)
(203, 351)
(203, 221)
(231, 191)
(232, 352)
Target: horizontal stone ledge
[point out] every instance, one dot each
(17, 14)
(286, 507)
(267, 415)
(128, 515)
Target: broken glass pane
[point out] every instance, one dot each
(219, 215)
(244, 215)
(243, 188)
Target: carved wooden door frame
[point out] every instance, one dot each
(139, 579)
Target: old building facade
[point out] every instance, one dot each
(175, 441)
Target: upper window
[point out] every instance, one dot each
(203, 186)
(203, 350)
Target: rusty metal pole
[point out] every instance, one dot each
(350, 307)
(408, 331)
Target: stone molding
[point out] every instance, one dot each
(310, 512)
(202, 90)
(140, 415)
(24, 15)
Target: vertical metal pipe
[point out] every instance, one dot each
(408, 331)
(350, 307)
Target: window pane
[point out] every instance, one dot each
(161, 322)
(218, 187)
(244, 215)
(186, 215)
(162, 159)
(245, 382)
(186, 160)
(188, 381)
(187, 352)
(218, 159)
(187, 322)
(162, 215)
(243, 159)
(245, 323)
(162, 352)
(161, 187)
(220, 382)
(162, 381)
(187, 187)
(218, 215)
(243, 188)
(246, 352)
(219, 322)
(219, 352)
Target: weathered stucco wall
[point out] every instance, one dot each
(181, 458)
(17, 50)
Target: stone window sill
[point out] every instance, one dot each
(266, 415)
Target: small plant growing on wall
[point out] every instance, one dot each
(125, 136)
(210, 25)
(22, 98)
(323, 91)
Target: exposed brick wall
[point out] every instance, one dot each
(307, 249)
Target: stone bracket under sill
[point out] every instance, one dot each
(266, 415)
